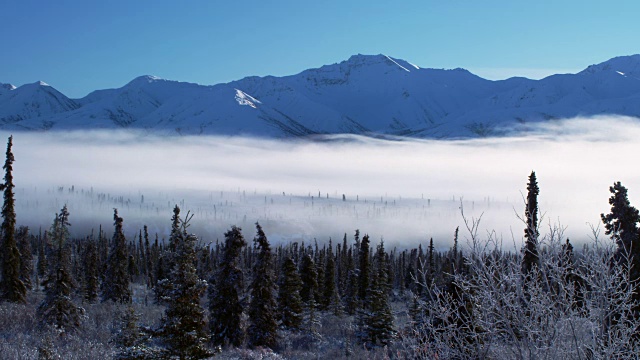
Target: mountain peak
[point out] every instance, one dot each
(35, 87)
(380, 59)
(624, 65)
(7, 86)
(144, 79)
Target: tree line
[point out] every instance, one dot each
(480, 302)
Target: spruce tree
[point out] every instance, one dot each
(42, 266)
(344, 264)
(377, 323)
(289, 301)
(530, 256)
(132, 343)
(454, 250)
(320, 279)
(11, 287)
(116, 282)
(432, 266)
(26, 256)
(163, 284)
(183, 326)
(57, 308)
(262, 309)
(142, 260)
(330, 291)
(91, 265)
(622, 222)
(225, 306)
(363, 276)
(309, 276)
(622, 225)
(351, 290)
(148, 257)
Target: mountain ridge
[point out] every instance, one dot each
(372, 95)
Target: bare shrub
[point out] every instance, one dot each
(565, 309)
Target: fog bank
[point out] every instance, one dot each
(403, 191)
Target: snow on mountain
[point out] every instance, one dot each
(6, 87)
(366, 94)
(36, 100)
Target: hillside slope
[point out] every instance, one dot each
(366, 94)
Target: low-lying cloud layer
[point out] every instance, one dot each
(404, 191)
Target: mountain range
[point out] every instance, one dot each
(373, 95)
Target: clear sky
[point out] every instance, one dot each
(80, 46)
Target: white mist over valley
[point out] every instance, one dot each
(404, 190)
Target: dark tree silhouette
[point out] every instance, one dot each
(622, 222)
(363, 276)
(262, 309)
(377, 322)
(163, 284)
(11, 287)
(225, 307)
(116, 281)
(91, 263)
(183, 326)
(289, 301)
(57, 308)
(530, 256)
(309, 276)
(351, 290)
(26, 256)
(622, 225)
(330, 297)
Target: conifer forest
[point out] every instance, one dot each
(167, 289)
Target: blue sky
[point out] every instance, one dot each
(80, 46)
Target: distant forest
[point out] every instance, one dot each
(103, 295)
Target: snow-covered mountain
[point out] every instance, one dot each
(366, 94)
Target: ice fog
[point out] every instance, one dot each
(405, 191)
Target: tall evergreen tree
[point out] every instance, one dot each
(142, 260)
(330, 291)
(289, 301)
(116, 282)
(262, 309)
(622, 222)
(377, 323)
(351, 290)
(11, 287)
(163, 284)
(43, 265)
(363, 276)
(320, 279)
(431, 271)
(622, 225)
(183, 326)
(57, 308)
(344, 259)
(530, 256)
(454, 250)
(309, 276)
(226, 286)
(26, 256)
(149, 257)
(91, 267)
